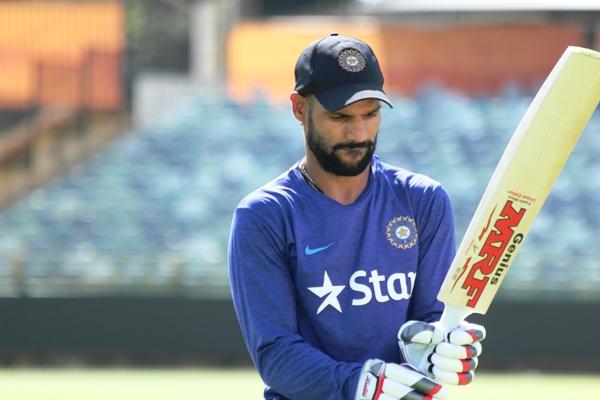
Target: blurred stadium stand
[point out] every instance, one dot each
(148, 219)
(58, 53)
(109, 234)
(62, 96)
(152, 212)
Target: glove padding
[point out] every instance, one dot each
(385, 381)
(450, 358)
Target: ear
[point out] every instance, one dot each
(299, 107)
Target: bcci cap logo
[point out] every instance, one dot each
(402, 232)
(352, 61)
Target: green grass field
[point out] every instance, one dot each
(241, 384)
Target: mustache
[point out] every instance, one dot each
(354, 145)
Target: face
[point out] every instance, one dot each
(343, 142)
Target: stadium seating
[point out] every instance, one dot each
(154, 209)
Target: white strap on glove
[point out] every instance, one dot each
(385, 381)
(450, 359)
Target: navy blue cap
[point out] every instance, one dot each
(339, 71)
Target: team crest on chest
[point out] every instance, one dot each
(402, 232)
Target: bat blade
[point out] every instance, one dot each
(521, 183)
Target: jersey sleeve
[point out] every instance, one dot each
(265, 302)
(437, 247)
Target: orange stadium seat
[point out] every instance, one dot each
(261, 55)
(16, 79)
(37, 39)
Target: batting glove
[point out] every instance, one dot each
(385, 381)
(450, 358)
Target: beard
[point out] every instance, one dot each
(328, 157)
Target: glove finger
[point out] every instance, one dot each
(453, 365)
(420, 333)
(394, 390)
(412, 395)
(469, 325)
(408, 377)
(457, 352)
(452, 378)
(470, 335)
(384, 396)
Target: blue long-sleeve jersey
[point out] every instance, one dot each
(319, 287)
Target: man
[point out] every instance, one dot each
(332, 258)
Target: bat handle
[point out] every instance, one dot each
(452, 317)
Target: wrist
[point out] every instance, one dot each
(370, 380)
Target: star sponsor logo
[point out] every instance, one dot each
(332, 292)
(402, 232)
(366, 287)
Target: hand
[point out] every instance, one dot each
(451, 359)
(381, 381)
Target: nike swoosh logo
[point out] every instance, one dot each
(309, 252)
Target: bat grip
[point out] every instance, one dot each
(452, 317)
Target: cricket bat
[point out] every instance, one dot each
(520, 184)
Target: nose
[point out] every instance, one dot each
(357, 130)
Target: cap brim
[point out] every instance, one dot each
(338, 97)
